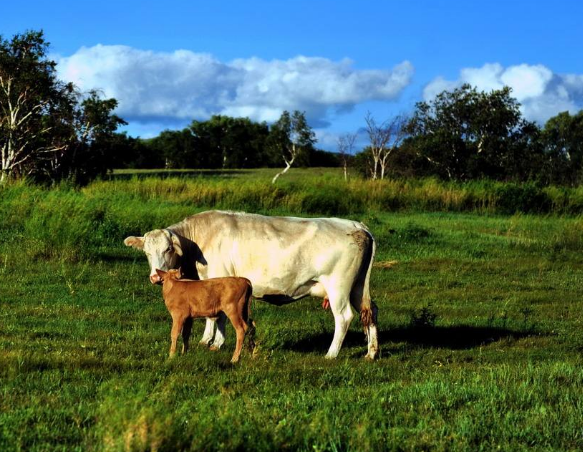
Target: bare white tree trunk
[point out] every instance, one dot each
(379, 137)
(384, 139)
(285, 170)
(16, 116)
(345, 147)
(288, 163)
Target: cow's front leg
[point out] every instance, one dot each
(220, 334)
(209, 332)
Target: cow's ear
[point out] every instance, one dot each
(135, 242)
(176, 243)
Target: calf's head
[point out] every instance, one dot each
(170, 274)
(162, 248)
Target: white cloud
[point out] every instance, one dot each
(542, 93)
(183, 85)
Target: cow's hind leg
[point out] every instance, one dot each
(369, 320)
(343, 315)
(372, 334)
(209, 332)
(220, 334)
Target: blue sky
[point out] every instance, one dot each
(170, 62)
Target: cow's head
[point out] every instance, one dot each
(162, 249)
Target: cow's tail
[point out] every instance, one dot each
(250, 333)
(366, 315)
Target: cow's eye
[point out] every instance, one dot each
(169, 250)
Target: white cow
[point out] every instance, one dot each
(286, 258)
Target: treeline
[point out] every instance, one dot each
(220, 142)
(49, 131)
(465, 134)
(461, 135)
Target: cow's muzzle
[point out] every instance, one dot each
(155, 279)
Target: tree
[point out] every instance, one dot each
(230, 142)
(562, 146)
(33, 105)
(291, 136)
(174, 149)
(91, 149)
(47, 127)
(467, 134)
(384, 140)
(345, 148)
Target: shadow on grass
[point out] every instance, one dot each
(451, 337)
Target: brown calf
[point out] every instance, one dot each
(188, 299)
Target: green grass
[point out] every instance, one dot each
(84, 337)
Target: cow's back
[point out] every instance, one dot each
(278, 254)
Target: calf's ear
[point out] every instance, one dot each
(135, 242)
(161, 273)
(176, 244)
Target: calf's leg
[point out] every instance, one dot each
(240, 328)
(177, 322)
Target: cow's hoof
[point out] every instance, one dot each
(214, 348)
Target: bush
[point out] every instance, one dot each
(527, 198)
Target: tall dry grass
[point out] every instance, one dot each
(68, 222)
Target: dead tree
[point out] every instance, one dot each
(345, 148)
(384, 139)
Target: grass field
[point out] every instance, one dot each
(480, 328)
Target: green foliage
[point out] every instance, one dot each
(526, 198)
(291, 138)
(48, 130)
(466, 134)
(227, 143)
(562, 144)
